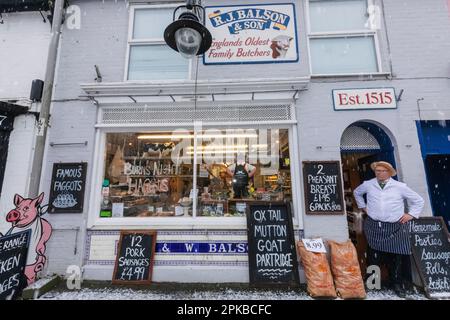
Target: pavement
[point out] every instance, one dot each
(178, 291)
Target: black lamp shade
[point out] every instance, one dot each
(169, 33)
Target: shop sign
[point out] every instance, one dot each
(6, 122)
(13, 258)
(134, 260)
(431, 251)
(323, 187)
(271, 247)
(265, 33)
(362, 99)
(202, 247)
(67, 188)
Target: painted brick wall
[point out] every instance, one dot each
(419, 34)
(20, 34)
(320, 125)
(419, 43)
(101, 40)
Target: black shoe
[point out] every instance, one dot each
(399, 291)
(409, 288)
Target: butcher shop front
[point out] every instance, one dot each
(189, 170)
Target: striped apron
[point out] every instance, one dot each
(392, 237)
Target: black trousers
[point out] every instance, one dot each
(240, 191)
(398, 265)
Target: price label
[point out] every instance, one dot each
(191, 194)
(314, 245)
(136, 274)
(117, 210)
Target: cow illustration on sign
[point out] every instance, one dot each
(28, 216)
(280, 46)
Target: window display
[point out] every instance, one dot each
(148, 173)
(152, 174)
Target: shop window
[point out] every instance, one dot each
(152, 174)
(149, 57)
(341, 38)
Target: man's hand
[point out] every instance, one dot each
(405, 218)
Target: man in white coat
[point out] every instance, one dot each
(387, 224)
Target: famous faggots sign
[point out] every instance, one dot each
(67, 188)
(323, 187)
(252, 34)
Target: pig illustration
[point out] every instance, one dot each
(27, 216)
(280, 46)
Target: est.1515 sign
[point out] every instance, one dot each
(323, 187)
(361, 99)
(67, 188)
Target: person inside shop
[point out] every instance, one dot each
(242, 172)
(386, 226)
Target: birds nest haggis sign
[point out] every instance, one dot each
(252, 34)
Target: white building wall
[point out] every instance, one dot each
(24, 41)
(419, 47)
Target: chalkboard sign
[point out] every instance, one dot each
(431, 251)
(134, 260)
(67, 188)
(13, 258)
(6, 122)
(271, 245)
(323, 187)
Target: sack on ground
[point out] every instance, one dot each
(346, 271)
(317, 271)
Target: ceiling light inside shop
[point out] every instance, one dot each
(216, 151)
(219, 147)
(226, 147)
(199, 136)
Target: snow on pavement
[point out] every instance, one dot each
(225, 294)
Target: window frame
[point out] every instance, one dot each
(148, 42)
(341, 34)
(95, 222)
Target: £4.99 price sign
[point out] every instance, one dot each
(134, 259)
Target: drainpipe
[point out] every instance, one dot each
(41, 135)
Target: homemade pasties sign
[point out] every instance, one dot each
(252, 34)
(431, 251)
